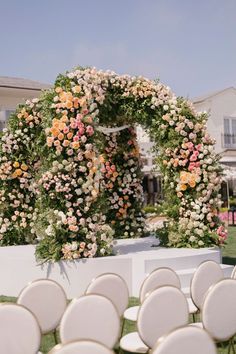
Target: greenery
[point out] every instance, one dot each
(153, 209)
(232, 202)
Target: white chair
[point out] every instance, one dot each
(47, 300)
(185, 340)
(163, 310)
(81, 347)
(113, 287)
(207, 274)
(91, 317)
(159, 277)
(219, 311)
(20, 332)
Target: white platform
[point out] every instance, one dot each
(135, 259)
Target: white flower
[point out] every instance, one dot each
(192, 238)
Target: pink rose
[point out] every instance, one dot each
(89, 130)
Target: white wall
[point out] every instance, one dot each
(10, 98)
(219, 106)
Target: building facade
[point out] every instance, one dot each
(221, 108)
(14, 91)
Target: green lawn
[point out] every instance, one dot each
(229, 252)
(229, 257)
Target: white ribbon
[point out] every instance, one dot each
(106, 130)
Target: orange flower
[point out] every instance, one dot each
(184, 177)
(192, 183)
(75, 145)
(55, 123)
(101, 158)
(54, 131)
(183, 187)
(61, 125)
(64, 118)
(66, 143)
(70, 135)
(76, 102)
(62, 96)
(16, 164)
(18, 172)
(24, 167)
(49, 140)
(82, 101)
(61, 136)
(77, 89)
(14, 175)
(58, 89)
(69, 104)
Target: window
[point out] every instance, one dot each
(4, 115)
(229, 138)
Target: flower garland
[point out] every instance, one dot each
(19, 160)
(121, 180)
(53, 159)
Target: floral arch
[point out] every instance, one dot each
(69, 167)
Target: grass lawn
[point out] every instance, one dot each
(229, 257)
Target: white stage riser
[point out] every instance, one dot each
(18, 267)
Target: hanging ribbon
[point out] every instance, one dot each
(106, 130)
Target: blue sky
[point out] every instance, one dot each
(189, 44)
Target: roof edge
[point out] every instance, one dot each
(200, 99)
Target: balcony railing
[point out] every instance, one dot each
(228, 141)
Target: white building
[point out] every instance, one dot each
(14, 91)
(221, 107)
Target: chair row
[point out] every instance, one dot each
(183, 340)
(94, 317)
(38, 296)
(47, 300)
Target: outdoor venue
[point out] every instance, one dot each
(117, 177)
(71, 185)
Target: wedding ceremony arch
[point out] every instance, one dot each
(70, 177)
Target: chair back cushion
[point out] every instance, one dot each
(207, 274)
(20, 331)
(163, 310)
(91, 317)
(186, 340)
(159, 277)
(219, 310)
(81, 347)
(47, 300)
(113, 287)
